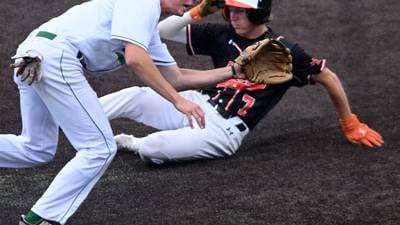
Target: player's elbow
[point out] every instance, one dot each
(333, 78)
(331, 74)
(154, 157)
(134, 63)
(136, 57)
(327, 77)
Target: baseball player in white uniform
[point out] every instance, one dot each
(97, 36)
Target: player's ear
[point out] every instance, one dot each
(226, 13)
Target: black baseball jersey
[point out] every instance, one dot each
(239, 97)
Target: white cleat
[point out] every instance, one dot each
(126, 142)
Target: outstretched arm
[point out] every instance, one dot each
(140, 62)
(355, 131)
(335, 90)
(183, 79)
(173, 28)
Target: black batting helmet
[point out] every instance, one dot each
(258, 10)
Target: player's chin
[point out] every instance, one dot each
(240, 31)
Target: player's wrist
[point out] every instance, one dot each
(235, 69)
(233, 72)
(195, 14)
(350, 122)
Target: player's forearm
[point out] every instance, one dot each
(183, 79)
(173, 28)
(138, 60)
(335, 90)
(203, 78)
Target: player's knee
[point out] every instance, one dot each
(39, 155)
(122, 103)
(107, 151)
(113, 151)
(41, 158)
(103, 150)
(96, 157)
(108, 154)
(152, 156)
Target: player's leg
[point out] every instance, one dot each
(75, 107)
(37, 142)
(178, 142)
(220, 138)
(144, 105)
(123, 103)
(216, 140)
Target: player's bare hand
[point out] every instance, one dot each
(191, 110)
(28, 66)
(359, 133)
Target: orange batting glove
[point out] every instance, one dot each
(205, 8)
(359, 133)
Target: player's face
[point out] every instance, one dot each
(240, 22)
(176, 7)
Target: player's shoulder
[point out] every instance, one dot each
(292, 45)
(272, 34)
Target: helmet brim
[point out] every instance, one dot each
(238, 4)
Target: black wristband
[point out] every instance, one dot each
(232, 65)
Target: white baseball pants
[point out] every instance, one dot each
(62, 99)
(177, 141)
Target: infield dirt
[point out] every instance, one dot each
(294, 168)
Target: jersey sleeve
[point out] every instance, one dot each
(158, 51)
(135, 24)
(202, 38)
(304, 66)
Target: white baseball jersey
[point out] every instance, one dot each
(100, 28)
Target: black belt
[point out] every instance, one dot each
(241, 126)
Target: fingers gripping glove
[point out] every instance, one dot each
(205, 8)
(28, 66)
(359, 133)
(266, 62)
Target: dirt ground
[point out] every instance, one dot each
(295, 168)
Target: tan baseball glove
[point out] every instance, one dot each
(266, 62)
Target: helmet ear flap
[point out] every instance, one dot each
(258, 16)
(226, 14)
